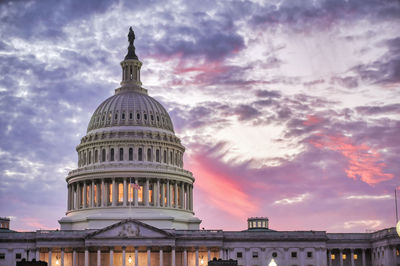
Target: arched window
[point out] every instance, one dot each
(137, 116)
(145, 116)
(90, 157)
(140, 154)
(112, 154)
(123, 116)
(157, 155)
(130, 115)
(149, 155)
(165, 156)
(121, 154)
(103, 155)
(96, 156)
(84, 158)
(170, 158)
(130, 154)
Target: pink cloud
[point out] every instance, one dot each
(364, 162)
(312, 120)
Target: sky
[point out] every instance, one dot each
(288, 109)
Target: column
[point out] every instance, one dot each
(197, 257)
(148, 257)
(208, 255)
(163, 194)
(99, 197)
(123, 248)
(103, 197)
(263, 256)
(301, 255)
(341, 257)
(394, 255)
(74, 258)
(221, 253)
(182, 198)
(111, 257)
(184, 256)
(125, 193)
(49, 257)
(92, 195)
(136, 256)
(146, 193)
(135, 193)
(84, 195)
(69, 198)
(352, 257)
(168, 195)
(363, 257)
(114, 193)
(78, 196)
(173, 257)
(157, 194)
(37, 255)
(62, 257)
(86, 257)
(191, 197)
(176, 195)
(161, 257)
(329, 258)
(98, 257)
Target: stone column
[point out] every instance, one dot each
(86, 257)
(84, 194)
(185, 257)
(162, 194)
(49, 262)
(341, 257)
(197, 257)
(168, 195)
(161, 257)
(208, 255)
(74, 258)
(78, 196)
(176, 195)
(98, 257)
(173, 257)
(146, 193)
(37, 255)
(103, 197)
(135, 193)
(157, 194)
(221, 253)
(136, 256)
(99, 197)
(301, 256)
(363, 257)
(62, 257)
(182, 198)
(394, 255)
(92, 195)
(329, 258)
(125, 193)
(352, 257)
(191, 197)
(114, 193)
(123, 250)
(69, 198)
(148, 257)
(111, 257)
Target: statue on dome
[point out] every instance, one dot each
(131, 48)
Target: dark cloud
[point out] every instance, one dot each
(378, 110)
(268, 94)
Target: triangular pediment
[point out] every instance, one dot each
(129, 229)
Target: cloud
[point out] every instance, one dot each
(369, 197)
(367, 224)
(293, 200)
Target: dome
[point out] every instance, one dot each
(130, 108)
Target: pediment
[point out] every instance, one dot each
(129, 229)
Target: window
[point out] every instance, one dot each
(294, 254)
(96, 156)
(309, 254)
(130, 154)
(18, 256)
(115, 116)
(274, 254)
(158, 119)
(145, 116)
(90, 157)
(239, 255)
(333, 257)
(140, 154)
(149, 155)
(110, 193)
(170, 157)
(2, 256)
(95, 195)
(112, 154)
(130, 115)
(137, 116)
(355, 257)
(255, 254)
(158, 156)
(123, 116)
(140, 194)
(165, 156)
(344, 256)
(121, 154)
(103, 155)
(120, 192)
(152, 117)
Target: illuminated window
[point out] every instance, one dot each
(121, 154)
(151, 194)
(87, 195)
(149, 155)
(165, 194)
(112, 154)
(258, 223)
(130, 154)
(344, 256)
(110, 193)
(397, 252)
(355, 256)
(120, 192)
(140, 194)
(95, 194)
(333, 257)
(140, 154)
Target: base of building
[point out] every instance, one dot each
(103, 217)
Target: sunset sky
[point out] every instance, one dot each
(287, 109)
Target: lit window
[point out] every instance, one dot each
(95, 194)
(397, 252)
(140, 194)
(120, 192)
(355, 256)
(110, 192)
(130, 192)
(151, 194)
(333, 257)
(87, 195)
(344, 256)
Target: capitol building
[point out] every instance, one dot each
(130, 202)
